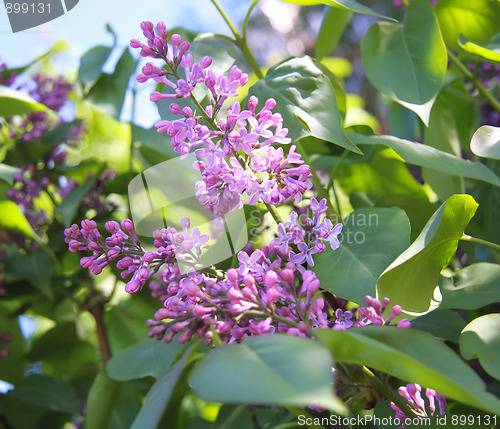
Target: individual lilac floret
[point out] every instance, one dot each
(417, 405)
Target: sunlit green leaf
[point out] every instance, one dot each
(91, 65)
(486, 142)
(490, 52)
(7, 173)
(406, 62)
(14, 102)
(425, 156)
(411, 279)
(481, 339)
(351, 5)
(413, 356)
(477, 20)
(100, 401)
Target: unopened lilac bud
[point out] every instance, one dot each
(175, 109)
(135, 43)
(205, 62)
(232, 275)
(175, 39)
(302, 327)
(185, 337)
(287, 276)
(271, 278)
(149, 256)
(253, 101)
(270, 104)
(155, 96)
(184, 47)
(132, 286)
(404, 323)
(162, 314)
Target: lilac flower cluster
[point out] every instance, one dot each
(236, 151)
(124, 246)
(309, 237)
(417, 405)
(6, 78)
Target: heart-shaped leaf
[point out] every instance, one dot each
(411, 279)
(363, 254)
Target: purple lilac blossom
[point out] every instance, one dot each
(417, 405)
(235, 151)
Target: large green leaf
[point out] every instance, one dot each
(351, 5)
(426, 156)
(490, 52)
(406, 62)
(273, 369)
(153, 147)
(160, 394)
(47, 392)
(411, 279)
(91, 64)
(35, 267)
(13, 103)
(480, 339)
(108, 92)
(351, 271)
(442, 134)
(472, 287)
(305, 98)
(100, 401)
(477, 20)
(406, 353)
(151, 358)
(334, 23)
(486, 142)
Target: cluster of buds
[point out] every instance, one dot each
(417, 405)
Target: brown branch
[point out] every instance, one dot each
(97, 310)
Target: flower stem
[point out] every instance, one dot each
(240, 41)
(475, 81)
(336, 169)
(274, 213)
(466, 237)
(322, 192)
(388, 392)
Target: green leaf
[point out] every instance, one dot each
(14, 102)
(480, 339)
(149, 358)
(91, 65)
(12, 367)
(472, 287)
(221, 50)
(477, 20)
(305, 98)
(100, 401)
(443, 324)
(486, 142)
(411, 279)
(334, 23)
(108, 93)
(12, 218)
(160, 394)
(71, 204)
(154, 147)
(490, 52)
(426, 156)
(273, 369)
(7, 173)
(35, 267)
(406, 62)
(442, 134)
(351, 5)
(47, 392)
(363, 254)
(405, 353)
(231, 416)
